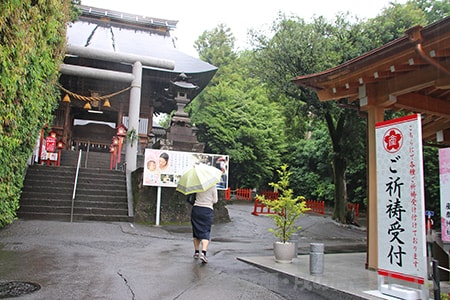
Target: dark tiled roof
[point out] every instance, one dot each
(131, 34)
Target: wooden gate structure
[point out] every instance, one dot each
(410, 74)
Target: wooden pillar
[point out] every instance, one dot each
(150, 121)
(67, 126)
(375, 114)
(120, 114)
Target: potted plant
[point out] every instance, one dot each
(286, 210)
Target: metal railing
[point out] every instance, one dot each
(436, 280)
(75, 186)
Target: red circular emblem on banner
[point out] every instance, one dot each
(392, 140)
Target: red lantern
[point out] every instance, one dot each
(52, 133)
(115, 141)
(112, 159)
(121, 132)
(113, 151)
(60, 146)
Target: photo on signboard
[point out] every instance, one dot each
(164, 167)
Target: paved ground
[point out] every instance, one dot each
(95, 260)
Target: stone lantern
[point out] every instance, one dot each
(181, 134)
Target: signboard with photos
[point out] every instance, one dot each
(164, 168)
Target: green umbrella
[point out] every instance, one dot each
(198, 179)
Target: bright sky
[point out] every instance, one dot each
(194, 17)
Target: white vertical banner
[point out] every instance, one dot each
(444, 178)
(401, 201)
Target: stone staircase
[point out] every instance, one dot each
(101, 194)
(91, 160)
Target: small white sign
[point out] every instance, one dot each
(52, 156)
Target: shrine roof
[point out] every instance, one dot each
(119, 32)
(409, 74)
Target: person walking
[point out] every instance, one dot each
(202, 217)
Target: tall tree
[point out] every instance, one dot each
(294, 50)
(234, 115)
(434, 9)
(216, 47)
(298, 48)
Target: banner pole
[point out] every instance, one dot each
(158, 205)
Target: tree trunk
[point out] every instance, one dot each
(340, 191)
(339, 167)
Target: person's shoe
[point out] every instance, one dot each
(203, 258)
(196, 255)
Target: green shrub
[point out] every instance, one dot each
(288, 208)
(32, 44)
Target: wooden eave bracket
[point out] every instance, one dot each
(337, 93)
(424, 104)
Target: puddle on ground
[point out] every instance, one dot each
(10, 289)
(13, 288)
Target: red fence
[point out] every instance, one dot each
(354, 208)
(269, 194)
(244, 194)
(240, 194)
(315, 206)
(228, 194)
(260, 209)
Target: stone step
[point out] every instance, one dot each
(42, 185)
(70, 172)
(92, 211)
(91, 160)
(48, 190)
(76, 217)
(36, 202)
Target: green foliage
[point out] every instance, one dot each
(216, 46)
(235, 117)
(294, 51)
(435, 10)
(394, 20)
(296, 47)
(32, 41)
(392, 23)
(253, 112)
(164, 120)
(243, 126)
(432, 181)
(311, 171)
(288, 208)
(132, 136)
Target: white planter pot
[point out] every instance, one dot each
(284, 252)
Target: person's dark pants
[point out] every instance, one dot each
(201, 220)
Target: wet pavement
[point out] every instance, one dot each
(98, 260)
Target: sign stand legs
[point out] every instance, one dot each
(158, 205)
(402, 291)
